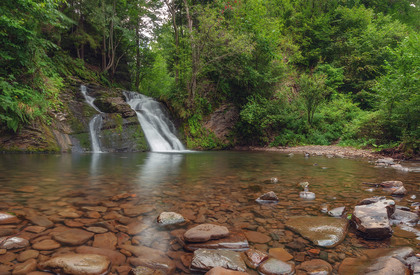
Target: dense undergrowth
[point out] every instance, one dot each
(299, 71)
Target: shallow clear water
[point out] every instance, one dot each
(215, 187)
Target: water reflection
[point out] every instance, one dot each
(159, 166)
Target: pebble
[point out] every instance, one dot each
(205, 232)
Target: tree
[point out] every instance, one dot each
(312, 90)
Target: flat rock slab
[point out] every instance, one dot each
(25, 267)
(280, 254)
(46, 245)
(257, 237)
(206, 232)
(169, 218)
(206, 259)
(13, 242)
(6, 218)
(77, 264)
(73, 236)
(40, 221)
(149, 257)
(236, 241)
(321, 231)
(371, 218)
(276, 267)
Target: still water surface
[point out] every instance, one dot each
(215, 187)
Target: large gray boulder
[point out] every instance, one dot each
(371, 218)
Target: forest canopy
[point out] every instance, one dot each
(298, 71)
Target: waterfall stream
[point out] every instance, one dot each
(157, 127)
(95, 123)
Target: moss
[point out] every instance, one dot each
(84, 140)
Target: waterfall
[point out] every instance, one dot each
(157, 127)
(95, 123)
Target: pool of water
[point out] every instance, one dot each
(206, 187)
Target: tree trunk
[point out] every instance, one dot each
(194, 57)
(137, 83)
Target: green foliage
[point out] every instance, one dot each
(199, 137)
(156, 81)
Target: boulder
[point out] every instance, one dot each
(77, 264)
(391, 184)
(206, 232)
(276, 267)
(114, 105)
(269, 197)
(168, 218)
(371, 218)
(206, 259)
(321, 231)
(400, 191)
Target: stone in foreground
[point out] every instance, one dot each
(223, 271)
(371, 218)
(307, 195)
(13, 242)
(273, 267)
(80, 264)
(321, 231)
(6, 218)
(387, 265)
(236, 241)
(316, 266)
(206, 259)
(168, 218)
(206, 232)
(73, 236)
(269, 197)
(255, 257)
(404, 217)
(149, 257)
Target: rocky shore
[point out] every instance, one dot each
(123, 235)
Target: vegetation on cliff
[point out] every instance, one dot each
(298, 71)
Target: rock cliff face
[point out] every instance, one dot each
(222, 121)
(68, 130)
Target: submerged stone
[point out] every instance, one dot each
(337, 212)
(236, 241)
(307, 195)
(223, 271)
(255, 257)
(149, 257)
(6, 218)
(13, 242)
(205, 232)
(274, 266)
(257, 237)
(404, 217)
(316, 266)
(77, 264)
(321, 231)
(371, 218)
(168, 218)
(206, 259)
(73, 236)
(269, 197)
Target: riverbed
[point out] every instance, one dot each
(205, 187)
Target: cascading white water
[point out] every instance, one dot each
(95, 123)
(157, 127)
